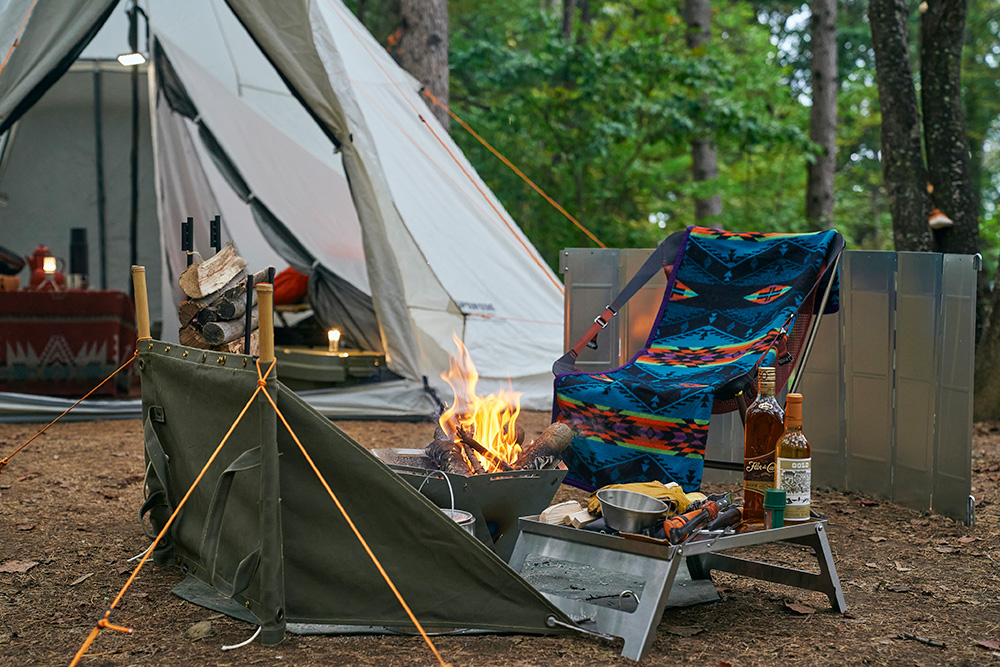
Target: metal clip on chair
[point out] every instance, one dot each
(733, 302)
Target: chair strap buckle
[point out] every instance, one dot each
(604, 323)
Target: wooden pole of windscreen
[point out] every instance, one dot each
(265, 321)
(141, 301)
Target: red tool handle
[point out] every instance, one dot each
(680, 527)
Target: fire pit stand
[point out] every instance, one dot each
(496, 500)
(658, 565)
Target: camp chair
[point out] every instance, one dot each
(733, 302)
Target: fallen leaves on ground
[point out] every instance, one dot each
(199, 630)
(18, 566)
(800, 608)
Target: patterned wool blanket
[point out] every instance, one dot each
(729, 299)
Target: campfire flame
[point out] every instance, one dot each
(491, 419)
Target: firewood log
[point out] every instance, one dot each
(199, 280)
(556, 514)
(223, 331)
(190, 336)
(580, 519)
(206, 315)
(189, 309)
(447, 455)
(552, 441)
(232, 303)
(236, 346)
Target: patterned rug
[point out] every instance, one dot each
(727, 303)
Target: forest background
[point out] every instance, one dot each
(640, 117)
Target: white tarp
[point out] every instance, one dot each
(418, 230)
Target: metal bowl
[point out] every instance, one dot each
(628, 511)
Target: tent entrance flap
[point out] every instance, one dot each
(300, 556)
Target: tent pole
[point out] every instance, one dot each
(265, 320)
(102, 222)
(133, 228)
(141, 302)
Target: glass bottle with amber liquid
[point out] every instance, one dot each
(763, 426)
(795, 463)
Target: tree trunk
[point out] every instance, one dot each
(902, 157)
(823, 114)
(950, 171)
(568, 9)
(423, 49)
(942, 33)
(704, 162)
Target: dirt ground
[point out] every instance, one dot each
(920, 589)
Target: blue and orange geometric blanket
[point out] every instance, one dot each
(729, 299)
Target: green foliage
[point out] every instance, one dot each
(603, 120)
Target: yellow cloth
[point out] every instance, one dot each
(672, 494)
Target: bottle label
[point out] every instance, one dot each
(795, 477)
(758, 476)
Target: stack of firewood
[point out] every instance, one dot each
(457, 454)
(214, 315)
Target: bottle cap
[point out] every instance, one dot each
(766, 374)
(774, 499)
(793, 410)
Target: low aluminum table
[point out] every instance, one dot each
(658, 565)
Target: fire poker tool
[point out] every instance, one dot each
(726, 519)
(682, 527)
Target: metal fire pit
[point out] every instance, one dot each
(496, 500)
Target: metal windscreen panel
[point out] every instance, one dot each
(724, 443)
(823, 408)
(591, 278)
(956, 338)
(869, 304)
(918, 288)
(639, 314)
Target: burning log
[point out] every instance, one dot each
(470, 454)
(447, 454)
(469, 441)
(550, 444)
(518, 433)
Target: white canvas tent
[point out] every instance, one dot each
(318, 151)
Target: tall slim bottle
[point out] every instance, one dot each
(764, 425)
(795, 463)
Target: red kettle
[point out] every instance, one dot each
(45, 276)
